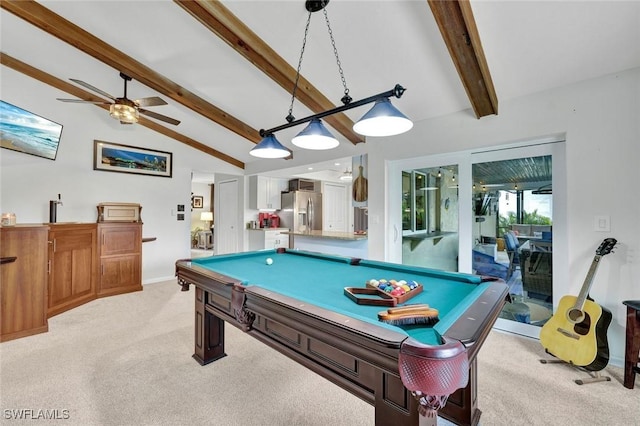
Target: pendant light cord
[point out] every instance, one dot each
(290, 117)
(346, 99)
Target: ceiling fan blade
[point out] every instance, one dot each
(90, 87)
(152, 101)
(158, 116)
(82, 101)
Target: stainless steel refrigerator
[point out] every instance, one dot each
(301, 211)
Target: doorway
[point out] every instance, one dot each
(516, 224)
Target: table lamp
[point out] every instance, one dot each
(207, 217)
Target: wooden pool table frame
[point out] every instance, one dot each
(360, 357)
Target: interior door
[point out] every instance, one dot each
(226, 228)
(335, 207)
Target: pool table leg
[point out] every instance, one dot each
(209, 332)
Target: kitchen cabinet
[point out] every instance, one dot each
(120, 253)
(72, 263)
(264, 192)
(23, 281)
(268, 238)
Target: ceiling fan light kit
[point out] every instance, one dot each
(382, 120)
(125, 113)
(124, 109)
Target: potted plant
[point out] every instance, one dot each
(194, 236)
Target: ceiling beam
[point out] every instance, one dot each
(219, 20)
(42, 76)
(68, 32)
(460, 34)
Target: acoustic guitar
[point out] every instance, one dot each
(577, 332)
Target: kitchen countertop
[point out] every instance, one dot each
(347, 236)
(268, 229)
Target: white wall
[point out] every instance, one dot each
(27, 183)
(601, 121)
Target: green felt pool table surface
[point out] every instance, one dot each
(320, 280)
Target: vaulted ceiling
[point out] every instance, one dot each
(227, 68)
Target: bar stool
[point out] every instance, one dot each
(632, 352)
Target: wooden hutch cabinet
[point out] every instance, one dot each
(120, 252)
(50, 268)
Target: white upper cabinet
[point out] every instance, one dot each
(264, 192)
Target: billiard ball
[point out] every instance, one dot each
(269, 261)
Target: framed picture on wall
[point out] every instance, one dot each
(114, 157)
(197, 201)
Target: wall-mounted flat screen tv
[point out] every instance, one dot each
(26, 132)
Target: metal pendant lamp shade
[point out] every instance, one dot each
(315, 136)
(383, 120)
(270, 147)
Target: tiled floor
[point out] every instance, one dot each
(201, 253)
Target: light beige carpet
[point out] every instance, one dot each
(126, 360)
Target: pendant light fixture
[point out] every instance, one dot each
(347, 176)
(315, 136)
(270, 147)
(382, 120)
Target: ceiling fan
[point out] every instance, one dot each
(125, 109)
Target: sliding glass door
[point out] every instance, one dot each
(514, 228)
(451, 212)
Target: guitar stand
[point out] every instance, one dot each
(595, 375)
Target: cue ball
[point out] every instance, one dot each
(269, 261)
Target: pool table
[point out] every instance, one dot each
(297, 306)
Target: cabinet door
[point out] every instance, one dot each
(120, 258)
(269, 239)
(264, 192)
(116, 239)
(258, 192)
(119, 273)
(256, 240)
(23, 282)
(72, 275)
(281, 240)
(275, 188)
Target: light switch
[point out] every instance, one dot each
(602, 223)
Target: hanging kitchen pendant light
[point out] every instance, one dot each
(347, 176)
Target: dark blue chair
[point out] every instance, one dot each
(511, 244)
(484, 264)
